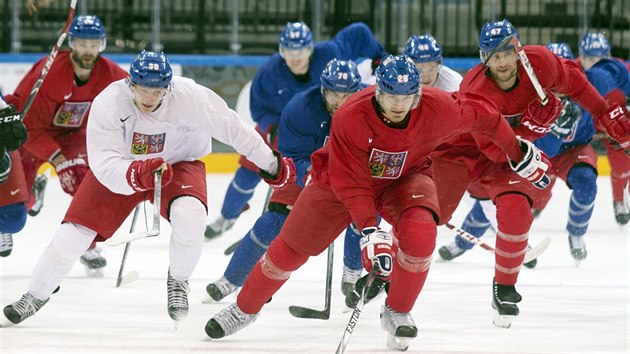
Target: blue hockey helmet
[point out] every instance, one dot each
(398, 75)
(341, 76)
(295, 36)
(87, 27)
(151, 69)
(594, 44)
(560, 49)
(423, 49)
(492, 34)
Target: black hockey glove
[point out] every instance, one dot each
(12, 131)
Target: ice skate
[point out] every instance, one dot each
(504, 300)
(39, 188)
(378, 288)
(230, 320)
(177, 297)
(20, 310)
(578, 249)
(349, 279)
(622, 212)
(450, 251)
(531, 264)
(6, 244)
(400, 328)
(94, 263)
(220, 289)
(218, 227)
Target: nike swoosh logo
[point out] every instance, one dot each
(125, 119)
(186, 186)
(582, 156)
(65, 97)
(416, 196)
(513, 182)
(369, 140)
(14, 192)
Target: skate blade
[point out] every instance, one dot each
(398, 343)
(577, 262)
(502, 321)
(4, 321)
(208, 300)
(94, 272)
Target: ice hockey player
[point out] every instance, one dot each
(426, 53)
(138, 125)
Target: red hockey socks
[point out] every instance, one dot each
(416, 232)
(514, 218)
(268, 275)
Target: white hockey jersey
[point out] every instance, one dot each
(181, 129)
(448, 79)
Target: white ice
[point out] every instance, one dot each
(564, 309)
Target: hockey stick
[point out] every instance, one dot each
(50, 60)
(522, 56)
(133, 275)
(155, 229)
(305, 312)
(357, 312)
(530, 255)
(228, 251)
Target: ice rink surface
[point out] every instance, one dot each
(564, 309)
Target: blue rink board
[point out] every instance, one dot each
(461, 64)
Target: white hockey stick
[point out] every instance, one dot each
(155, 229)
(522, 56)
(530, 255)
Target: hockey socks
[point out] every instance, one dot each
(239, 192)
(514, 216)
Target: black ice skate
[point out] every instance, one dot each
(230, 320)
(6, 244)
(450, 251)
(220, 289)
(504, 300)
(218, 227)
(400, 328)
(177, 298)
(378, 288)
(349, 279)
(622, 212)
(578, 249)
(21, 310)
(94, 263)
(39, 188)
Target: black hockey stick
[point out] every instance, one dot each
(228, 251)
(305, 312)
(357, 312)
(131, 276)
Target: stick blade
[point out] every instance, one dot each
(119, 240)
(537, 250)
(304, 312)
(127, 278)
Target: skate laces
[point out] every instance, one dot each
(231, 319)
(177, 293)
(6, 242)
(577, 242)
(225, 286)
(350, 275)
(392, 320)
(28, 305)
(91, 254)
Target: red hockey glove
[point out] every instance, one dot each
(140, 174)
(271, 135)
(533, 165)
(285, 176)
(71, 173)
(616, 125)
(376, 248)
(537, 119)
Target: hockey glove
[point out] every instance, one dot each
(71, 173)
(284, 177)
(12, 131)
(537, 119)
(271, 135)
(533, 165)
(140, 174)
(566, 123)
(615, 123)
(376, 247)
